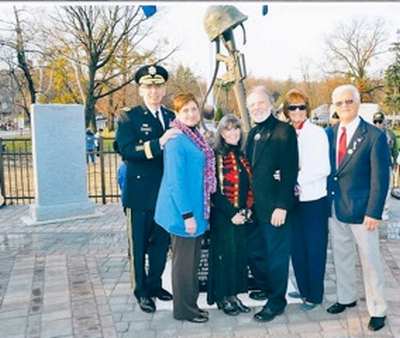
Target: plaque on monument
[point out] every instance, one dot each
(203, 267)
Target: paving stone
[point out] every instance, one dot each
(56, 327)
(13, 314)
(122, 327)
(311, 335)
(289, 335)
(295, 317)
(198, 331)
(141, 334)
(81, 269)
(338, 334)
(244, 332)
(304, 327)
(13, 326)
(278, 329)
(167, 334)
(331, 325)
(64, 314)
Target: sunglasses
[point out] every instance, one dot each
(341, 103)
(293, 107)
(378, 121)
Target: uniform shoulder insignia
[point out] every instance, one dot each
(124, 112)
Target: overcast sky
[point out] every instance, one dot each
(276, 43)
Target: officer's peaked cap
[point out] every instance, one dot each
(151, 74)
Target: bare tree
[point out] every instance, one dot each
(17, 35)
(352, 47)
(102, 43)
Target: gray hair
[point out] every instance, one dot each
(347, 88)
(261, 90)
(229, 120)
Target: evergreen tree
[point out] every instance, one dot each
(392, 80)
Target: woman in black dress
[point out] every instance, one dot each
(230, 217)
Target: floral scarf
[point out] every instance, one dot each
(210, 181)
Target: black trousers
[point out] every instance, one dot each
(309, 246)
(277, 253)
(151, 239)
(256, 258)
(185, 283)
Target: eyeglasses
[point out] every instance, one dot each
(341, 103)
(293, 107)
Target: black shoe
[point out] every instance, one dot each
(147, 304)
(266, 314)
(241, 307)
(228, 307)
(199, 319)
(162, 294)
(295, 294)
(204, 313)
(338, 308)
(376, 323)
(258, 295)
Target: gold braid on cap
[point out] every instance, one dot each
(152, 79)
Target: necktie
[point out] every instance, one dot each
(158, 117)
(342, 146)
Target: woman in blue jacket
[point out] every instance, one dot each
(183, 204)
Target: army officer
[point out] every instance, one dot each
(141, 135)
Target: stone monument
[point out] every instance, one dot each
(59, 164)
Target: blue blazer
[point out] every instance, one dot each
(358, 187)
(181, 189)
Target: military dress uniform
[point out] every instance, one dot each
(137, 137)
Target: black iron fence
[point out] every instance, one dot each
(16, 172)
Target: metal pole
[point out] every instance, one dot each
(238, 86)
(239, 92)
(102, 174)
(2, 190)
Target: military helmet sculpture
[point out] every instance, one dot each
(219, 19)
(219, 23)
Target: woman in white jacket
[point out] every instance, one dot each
(310, 228)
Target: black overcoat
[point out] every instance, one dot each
(274, 150)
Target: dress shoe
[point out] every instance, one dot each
(338, 308)
(376, 323)
(162, 294)
(203, 312)
(258, 295)
(294, 294)
(228, 307)
(199, 319)
(307, 306)
(147, 304)
(266, 314)
(240, 306)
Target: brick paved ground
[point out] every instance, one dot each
(71, 280)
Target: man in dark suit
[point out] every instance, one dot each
(357, 186)
(142, 132)
(272, 149)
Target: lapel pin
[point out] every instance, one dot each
(257, 137)
(350, 151)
